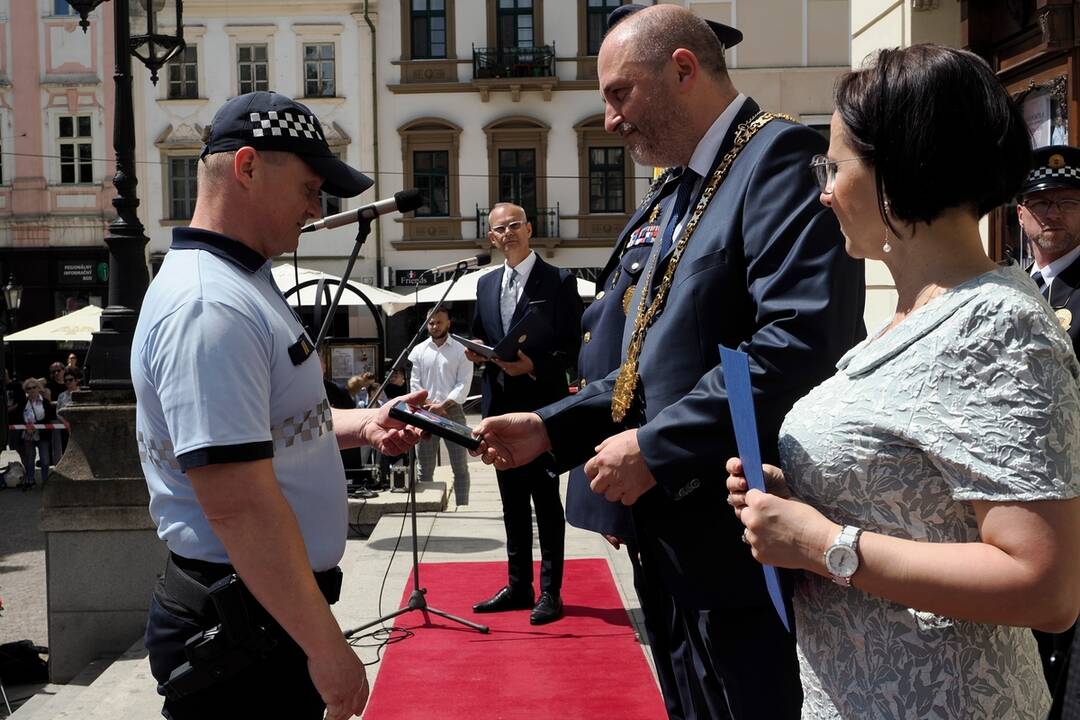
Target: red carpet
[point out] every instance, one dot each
(586, 665)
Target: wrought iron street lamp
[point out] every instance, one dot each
(12, 299)
(108, 357)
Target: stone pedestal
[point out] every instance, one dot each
(102, 553)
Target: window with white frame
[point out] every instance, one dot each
(183, 171)
(75, 143)
(252, 68)
(184, 75)
(319, 70)
(331, 204)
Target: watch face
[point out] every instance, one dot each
(842, 561)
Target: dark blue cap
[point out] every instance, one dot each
(1054, 167)
(269, 121)
(729, 37)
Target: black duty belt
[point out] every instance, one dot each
(186, 581)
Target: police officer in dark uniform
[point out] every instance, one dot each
(602, 325)
(1049, 214)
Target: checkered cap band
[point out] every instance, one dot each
(156, 452)
(274, 123)
(302, 428)
(1045, 173)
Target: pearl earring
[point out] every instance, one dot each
(886, 246)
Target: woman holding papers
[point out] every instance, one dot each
(932, 488)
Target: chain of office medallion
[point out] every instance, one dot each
(625, 386)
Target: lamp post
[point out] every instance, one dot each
(93, 508)
(136, 30)
(12, 299)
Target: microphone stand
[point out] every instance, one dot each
(418, 597)
(362, 232)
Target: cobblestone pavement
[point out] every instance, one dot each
(22, 567)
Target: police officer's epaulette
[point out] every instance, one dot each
(657, 183)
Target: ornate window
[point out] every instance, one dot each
(319, 70)
(428, 27)
(184, 75)
(429, 156)
(252, 68)
(183, 170)
(75, 142)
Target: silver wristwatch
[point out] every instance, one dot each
(842, 557)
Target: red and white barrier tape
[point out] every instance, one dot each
(40, 426)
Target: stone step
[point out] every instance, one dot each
(364, 513)
(51, 699)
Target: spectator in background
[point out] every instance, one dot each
(441, 368)
(73, 362)
(396, 386)
(54, 384)
(361, 387)
(37, 410)
(16, 399)
(71, 383)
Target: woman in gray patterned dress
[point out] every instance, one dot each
(935, 469)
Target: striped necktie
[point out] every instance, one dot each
(508, 301)
(687, 181)
(1040, 282)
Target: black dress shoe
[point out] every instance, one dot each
(548, 609)
(505, 599)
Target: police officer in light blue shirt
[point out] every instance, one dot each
(238, 443)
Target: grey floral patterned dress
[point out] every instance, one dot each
(974, 396)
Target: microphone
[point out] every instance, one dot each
(402, 202)
(467, 264)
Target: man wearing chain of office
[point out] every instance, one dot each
(746, 257)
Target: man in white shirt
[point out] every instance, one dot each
(439, 366)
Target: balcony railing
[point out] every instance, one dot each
(545, 222)
(517, 62)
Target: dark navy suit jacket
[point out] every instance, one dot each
(601, 352)
(765, 272)
(552, 293)
(1065, 294)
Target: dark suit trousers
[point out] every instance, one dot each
(737, 663)
(539, 482)
(658, 611)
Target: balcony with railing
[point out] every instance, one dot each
(514, 69)
(545, 222)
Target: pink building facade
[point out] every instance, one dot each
(56, 155)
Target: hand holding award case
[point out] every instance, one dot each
(435, 424)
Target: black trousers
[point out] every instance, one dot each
(277, 686)
(539, 482)
(737, 663)
(657, 608)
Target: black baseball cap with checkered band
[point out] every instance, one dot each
(1054, 167)
(270, 121)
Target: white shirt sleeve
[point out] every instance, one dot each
(463, 374)
(414, 377)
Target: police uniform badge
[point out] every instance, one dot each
(644, 235)
(1064, 316)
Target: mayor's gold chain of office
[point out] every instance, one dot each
(623, 395)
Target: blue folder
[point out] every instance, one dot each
(736, 366)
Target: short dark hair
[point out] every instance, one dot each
(938, 127)
(442, 309)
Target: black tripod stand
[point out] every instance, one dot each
(418, 599)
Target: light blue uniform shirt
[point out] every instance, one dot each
(216, 383)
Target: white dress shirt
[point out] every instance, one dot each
(506, 302)
(701, 161)
(1055, 268)
(442, 370)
